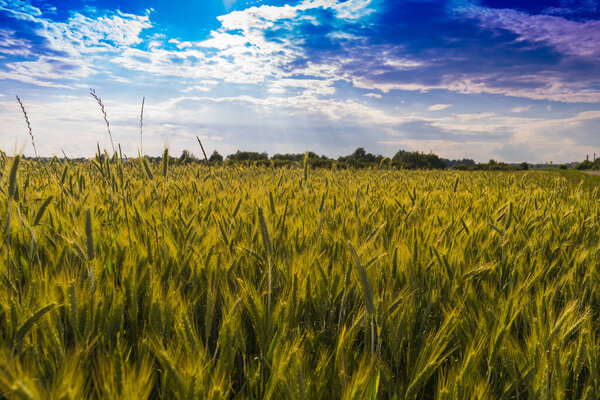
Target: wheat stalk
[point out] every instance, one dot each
(269, 252)
(99, 101)
(202, 147)
(142, 125)
(28, 125)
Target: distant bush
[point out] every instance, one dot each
(215, 158)
(186, 157)
(493, 165)
(289, 157)
(587, 164)
(415, 160)
(360, 159)
(467, 162)
(248, 156)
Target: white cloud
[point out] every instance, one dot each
(84, 35)
(309, 86)
(46, 71)
(520, 109)
(17, 7)
(180, 44)
(76, 43)
(473, 116)
(246, 56)
(439, 107)
(11, 45)
(546, 86)
(568, 36)
(195, 88)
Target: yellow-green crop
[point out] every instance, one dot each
(127, 279)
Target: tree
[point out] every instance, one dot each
(467, 162)
(215, 158)
(248, 156)
(415, 160)
(359, 153)
(186, 157)
(585, 164)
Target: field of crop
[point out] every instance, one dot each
(132, 280)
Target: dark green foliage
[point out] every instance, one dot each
(587, 164)
(415, 160)
(241, 156)
(467, 162)
(215, 158)
(186, 157)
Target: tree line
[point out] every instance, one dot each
(360, 158)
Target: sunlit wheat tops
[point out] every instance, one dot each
(166, 280)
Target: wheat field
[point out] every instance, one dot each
(135, 280)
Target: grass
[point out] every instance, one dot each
(134, 280)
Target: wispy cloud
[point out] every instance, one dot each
(228, 4)
(438, 107)
(520, 109)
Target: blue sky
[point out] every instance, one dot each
(503, 79)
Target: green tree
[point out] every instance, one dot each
(215, 158)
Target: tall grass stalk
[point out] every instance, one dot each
(101, 104)
(28, 125)
(202, 147)
(142, 126)
(269, 255)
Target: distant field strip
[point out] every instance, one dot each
(138, 280)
